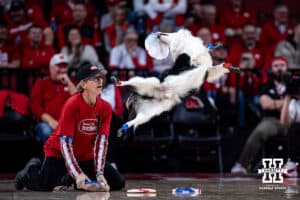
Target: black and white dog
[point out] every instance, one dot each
(152, 96)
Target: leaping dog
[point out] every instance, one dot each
(163, 95)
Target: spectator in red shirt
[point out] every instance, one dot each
(220, 90)
(9, 53)
(20, 21)
(205, 35)
(113, 33)
(76, 151)
(33, 8)
(194, 17)
(36, 54)
(62, 11)
(88, 29)
(247, 84)
(275, 31)
(235, 16)
(49, 95)
(248, 42)
(209, 20)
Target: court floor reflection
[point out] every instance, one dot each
(246, 188)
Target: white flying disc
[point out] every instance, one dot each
(155, 47)
(141, 190)
(141, 195)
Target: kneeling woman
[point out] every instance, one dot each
(76, 151)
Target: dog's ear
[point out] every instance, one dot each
(183, 60)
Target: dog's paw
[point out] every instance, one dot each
(122, 130)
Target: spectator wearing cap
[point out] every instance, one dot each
(247, 42)
(20, 20)
(33, 9)
(36, 55)
(234, 16)
(9, 52)
(113, 33)
(128, 55)
(290, 48)
(76, 151)
(271, 102)
(275, 31)
(88, 28)
(76, 51)
(49, 95)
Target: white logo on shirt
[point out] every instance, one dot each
(88, 126)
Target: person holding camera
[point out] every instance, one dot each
(271, 101)
(246, 86)
(290, 115)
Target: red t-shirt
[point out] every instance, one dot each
(235, 20)
(238, 47)
(79, 121)
(62, 12)
(36, 58)
(48, 97)
(217, 33)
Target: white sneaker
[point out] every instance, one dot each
(238, 169)
(291, 168)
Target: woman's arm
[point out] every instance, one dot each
(66, 147)
(100, 150)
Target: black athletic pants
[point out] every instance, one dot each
(54, 173)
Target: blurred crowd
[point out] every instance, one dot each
(111, 34)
